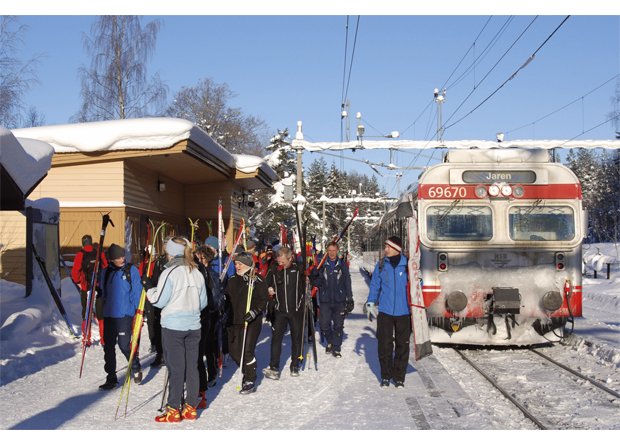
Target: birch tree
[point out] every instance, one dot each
(115, 85)
(16, 76)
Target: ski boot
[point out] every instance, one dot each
(203, 400)
(171, 415)
(189, 413)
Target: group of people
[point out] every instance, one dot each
(192, 317)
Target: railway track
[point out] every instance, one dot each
(524, 406)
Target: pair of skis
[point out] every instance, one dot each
(251, 282)
(137, 329)
(92, 292)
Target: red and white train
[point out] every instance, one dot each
(495, 238)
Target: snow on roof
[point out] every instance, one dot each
(136, 134)
(612, 144)
(26, 160)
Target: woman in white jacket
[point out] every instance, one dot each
(181, 295)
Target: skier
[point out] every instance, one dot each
(237, 292)
(120, 291)
(82, 273)
(208, 319)
(213, 244)
(153, 314)
(181, 294)
(335, 298)
(388, 302)
(287, 287)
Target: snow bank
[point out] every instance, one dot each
(26, 160)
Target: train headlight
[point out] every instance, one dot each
(494, 190)
(456, 301)
(517, 191)
(560, 261)
(442, 262)
(506, 190)
(481, 191)
(552, 301)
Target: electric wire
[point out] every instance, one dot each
(567, 105)
(511, 77)
(488, 73)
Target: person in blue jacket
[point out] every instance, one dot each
(121, 290)
(389, 303)
(335, 298)
(181, 295)
(212, 242)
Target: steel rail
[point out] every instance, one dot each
(578, 374)
(500, 389)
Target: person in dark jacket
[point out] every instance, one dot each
(153, 314)
(335, 298)
(208, 347)
(287, 287)
(82, 273)
(389, 303)
(237, 293)
(121, 292)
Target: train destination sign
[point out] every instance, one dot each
(492, 176)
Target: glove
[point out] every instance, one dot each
(250, 316)
(349, 307)
(98, 292)
(371, 310)
(147, 283)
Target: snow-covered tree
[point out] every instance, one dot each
(600, 185)
(115, 86)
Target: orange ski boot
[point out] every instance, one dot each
(189, 413)
(171, 415)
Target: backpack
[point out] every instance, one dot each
(88, 265)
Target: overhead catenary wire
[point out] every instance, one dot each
(511, 77)
(567, 105)
(489, 72)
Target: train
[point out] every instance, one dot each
(494, 237)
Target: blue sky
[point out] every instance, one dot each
(291, 68)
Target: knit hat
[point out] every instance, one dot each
(115, 252)
(395, 243)
(250, 244)
(87, 240)
(213, 242)
(245, 258)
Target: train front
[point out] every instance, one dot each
(500, 240)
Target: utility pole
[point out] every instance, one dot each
(440, 99)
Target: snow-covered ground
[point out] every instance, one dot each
(40, 388)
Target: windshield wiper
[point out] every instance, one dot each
(454, 203)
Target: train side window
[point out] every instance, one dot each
(542, 223)
(465, 223)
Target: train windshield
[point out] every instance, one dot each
(542, 223)
(459, 223)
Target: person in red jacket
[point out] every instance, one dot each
(82, 274)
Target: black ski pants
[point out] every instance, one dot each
(281, 320)
(118, 330)
(393, 334)
(153, 322)
(207, 349)
(181, 356)
(235, 345)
